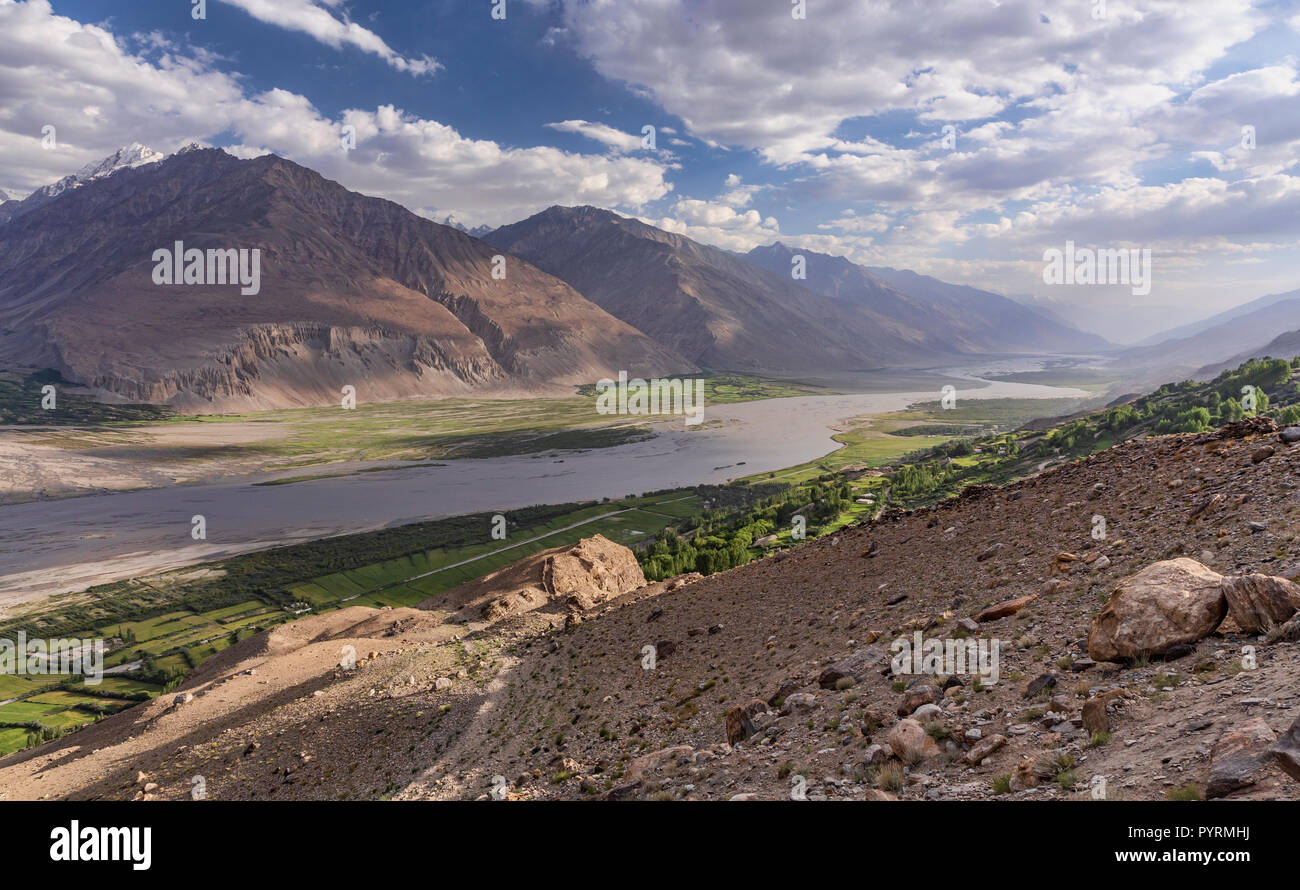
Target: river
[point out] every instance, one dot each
(49, 547)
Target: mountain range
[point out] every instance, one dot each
(1225, 340)
(354, 291)
(960, 320)
(358, 290)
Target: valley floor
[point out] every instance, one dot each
(557, 700)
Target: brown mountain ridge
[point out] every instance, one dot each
(354, 291)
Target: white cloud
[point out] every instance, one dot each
(718, 224)
(100, 94)
(615, 139)
(311, 17)
(745, 73)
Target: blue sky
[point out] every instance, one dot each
(1109, 123)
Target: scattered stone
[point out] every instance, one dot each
(1005, 608)
(740, 720)
(1095, 719)
(915, 697)
(977, 754)
(1286, 750)
(1204, 505)
(1238, 757)
(786, 689)
(927, 713)
(802, 701)
(1023, 777)
(856, 666)
(1039, 683)
(875, 754)
(1064, 561)
(647, 763)
(910, 742)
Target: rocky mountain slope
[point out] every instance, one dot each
(712, 306)
(354, 291)
(774, 679)
(965, 319)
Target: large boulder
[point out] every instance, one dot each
(1239, 756)
(581, 576)
(1259, 603)
(1166, 604)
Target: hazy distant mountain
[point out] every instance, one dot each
(1188, 330)
(1285, 345)
(1241, 335)
(967, 320)
(133, 155)
(718, 309)
(354, 291)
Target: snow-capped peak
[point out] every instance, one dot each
(133, 155)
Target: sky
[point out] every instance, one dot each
(958, 138)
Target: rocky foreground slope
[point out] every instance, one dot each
(774, 680)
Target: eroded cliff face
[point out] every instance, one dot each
(295, 365)
(503, 349)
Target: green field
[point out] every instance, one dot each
(395, 582)
(174, 640)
